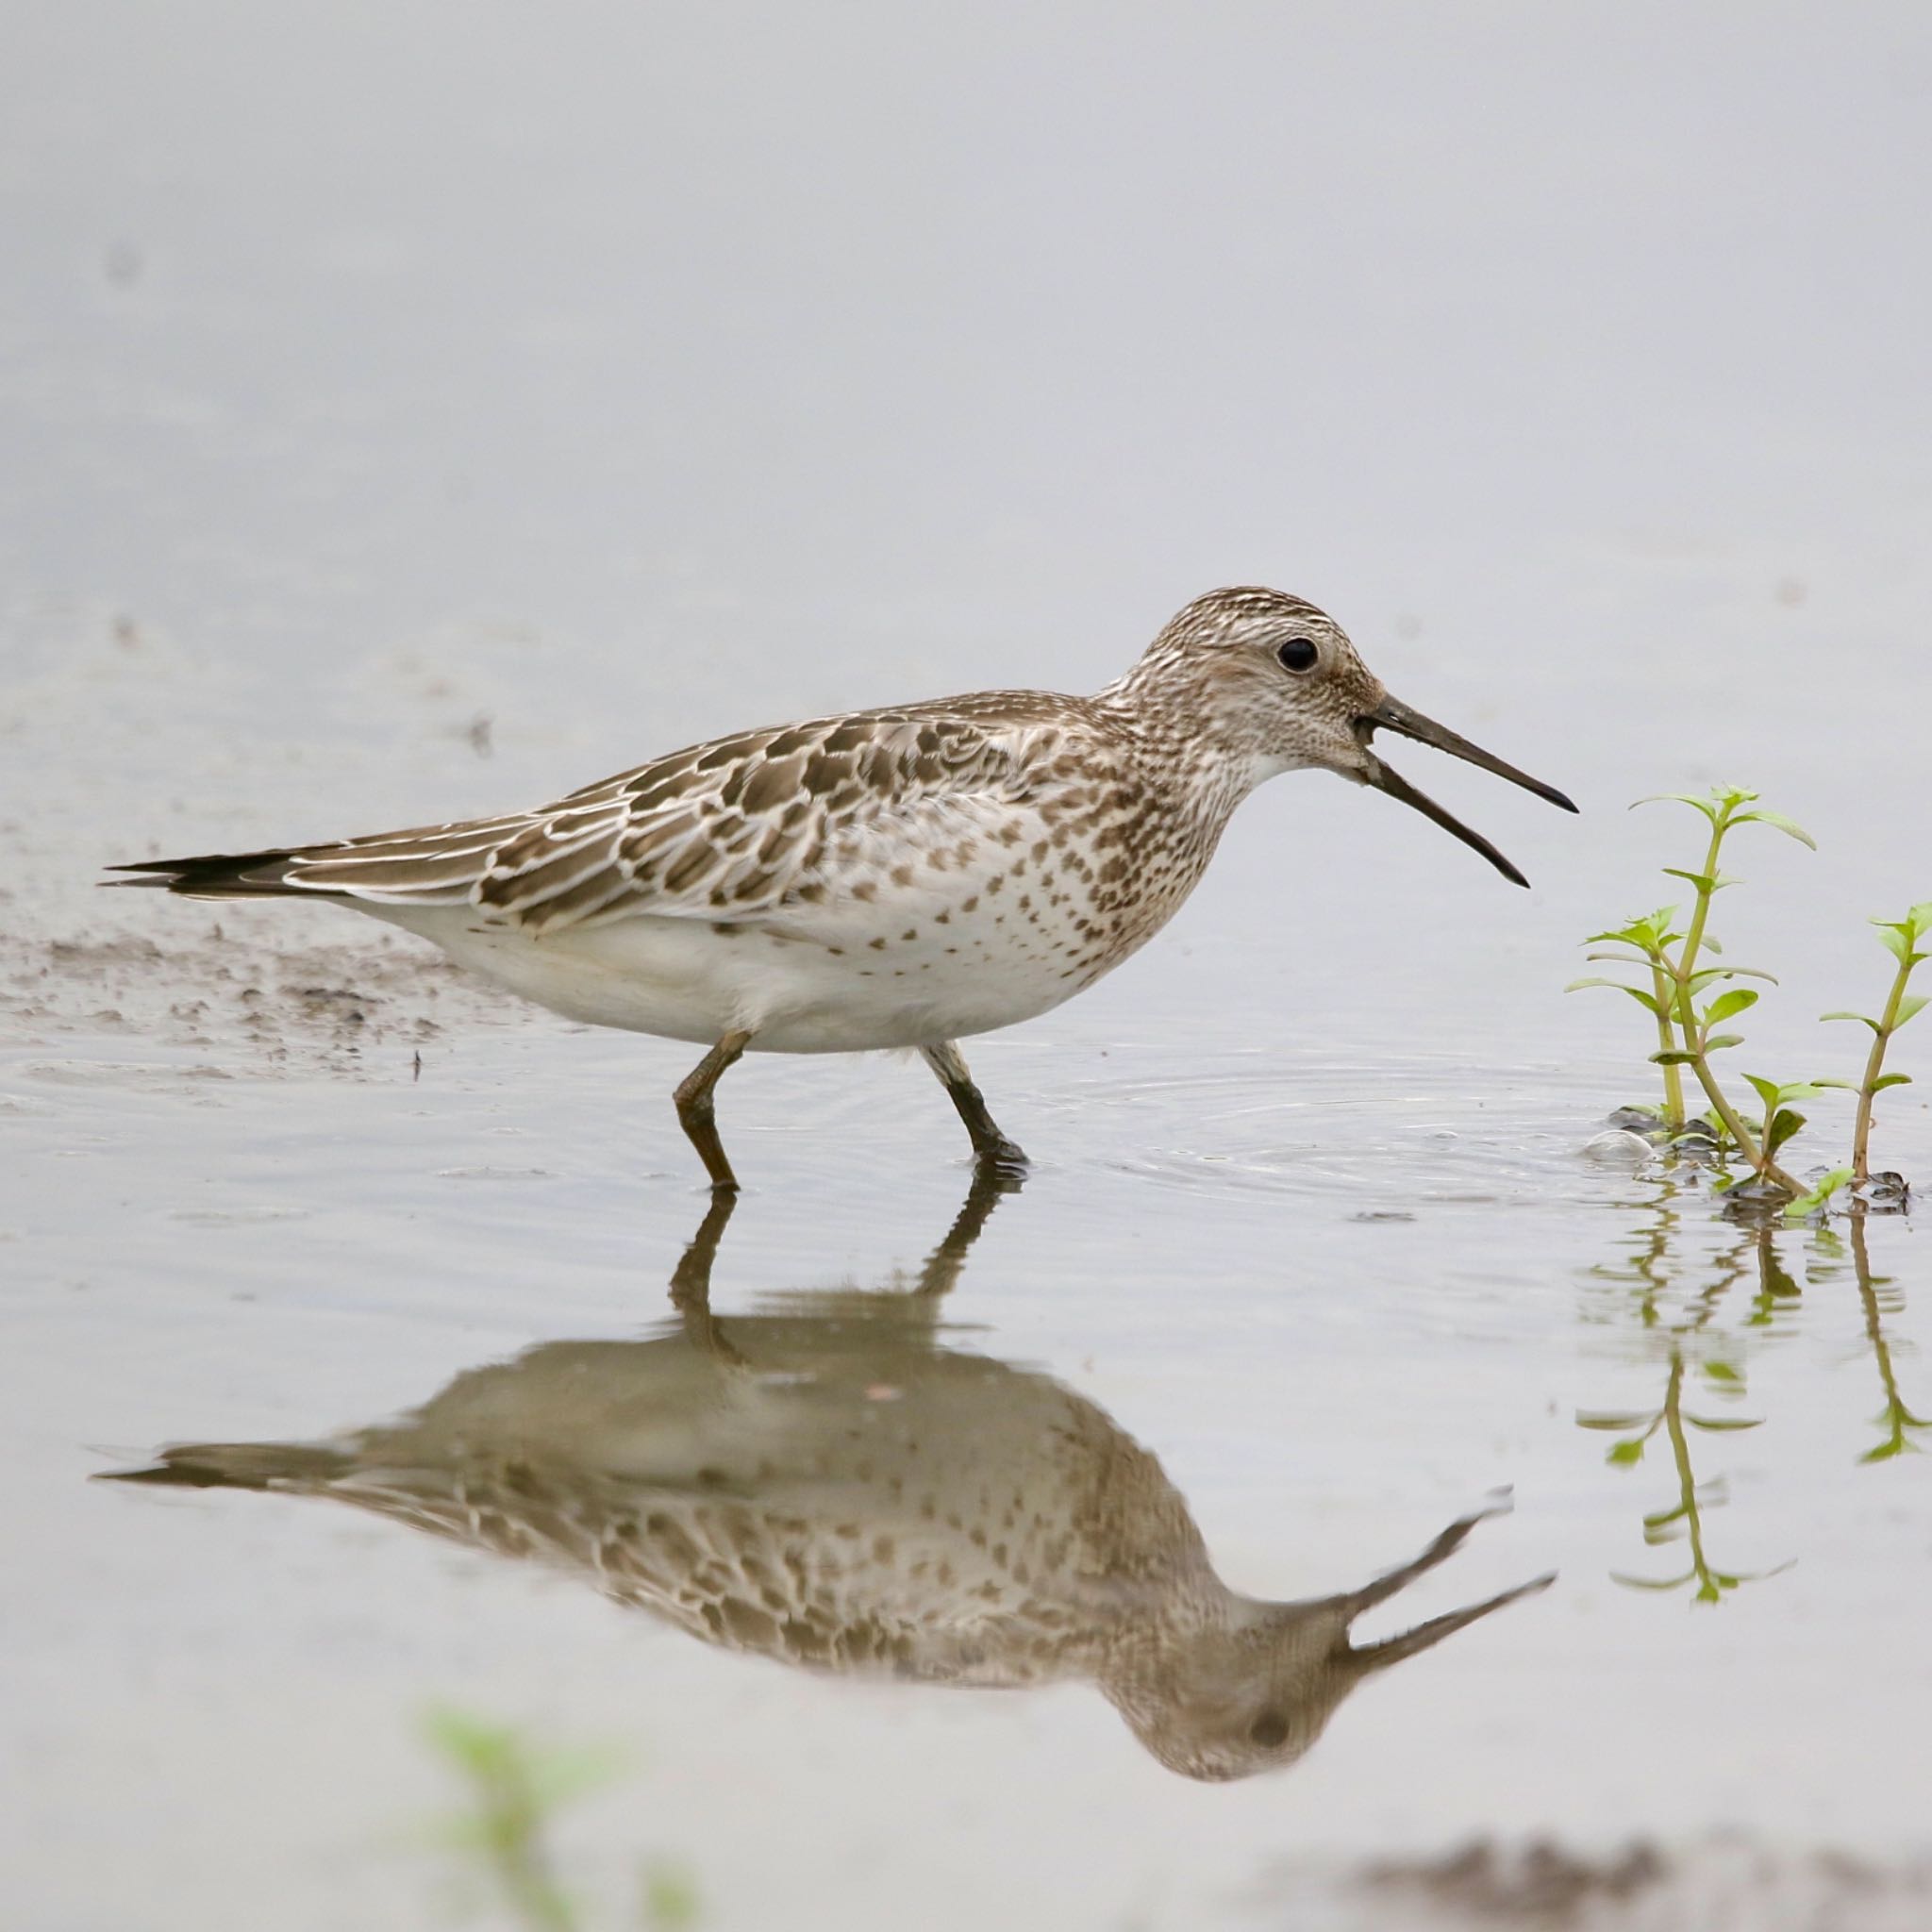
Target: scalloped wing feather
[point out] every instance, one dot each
(740, 828)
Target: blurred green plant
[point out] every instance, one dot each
(515, 1791)
(1692, 1006)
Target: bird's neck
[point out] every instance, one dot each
(1198, 762)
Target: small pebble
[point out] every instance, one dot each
(1887, 1189)
(1620, 1147)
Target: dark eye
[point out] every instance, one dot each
(1298, 653)
(1271, 1728)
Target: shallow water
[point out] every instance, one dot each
(1313, 1222)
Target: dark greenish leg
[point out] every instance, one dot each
(691, 1280)
(941, 1267)
(992, 1146)
(696, 1114)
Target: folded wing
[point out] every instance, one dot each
(736, 830)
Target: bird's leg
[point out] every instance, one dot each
(941, 1267)
(992, 1146)
(691, 1280)
(695, 1113)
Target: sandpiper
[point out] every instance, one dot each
(900, 877)
(834, 1484)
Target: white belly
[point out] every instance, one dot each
(832, 988)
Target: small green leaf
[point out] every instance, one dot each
(1723, 1372)
(1642, 998)
(1708, 806)
(1826, 1080)
(1659, 1583)
(672, 1900)
(1623, 1455)
(1776, 1097)
(1718, 1042)
(1766, 1092)
(1895, 942)
(1715, 1424)
(1704, 881)
(1787, 1122)
(1760, 816)
(1828, 1186)
(1911, 1008)
(1884, 1080)
(1648, 931)
(1729, 1004)
(1609, 1419)
(1676, 1057)
(1862, 1019)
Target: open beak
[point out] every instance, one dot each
(1390, 716)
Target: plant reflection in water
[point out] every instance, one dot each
(1700, 1333)
(1894, 1418)
(831, 1484)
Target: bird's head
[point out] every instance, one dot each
(1253, 1689)
(1278, 682)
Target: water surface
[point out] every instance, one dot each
(363, 470)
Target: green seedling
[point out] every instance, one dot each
(1692, 1006)
(1690, 1033)
(1901, 939)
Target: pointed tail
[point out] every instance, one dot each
(216, 874)
(237, 1466)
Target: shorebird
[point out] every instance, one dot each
(828, 1486)
(901, 877)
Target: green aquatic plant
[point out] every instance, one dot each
(1900, 938)
(515, 1791)
(1693, 1006)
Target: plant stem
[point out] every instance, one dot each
(1708, 1590)
(1673, 1080)
(1682, 970)
(1747, 1145)
(1693, 939)
(1874, 1063)
(1896, 1418)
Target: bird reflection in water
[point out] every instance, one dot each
(831, 1484)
